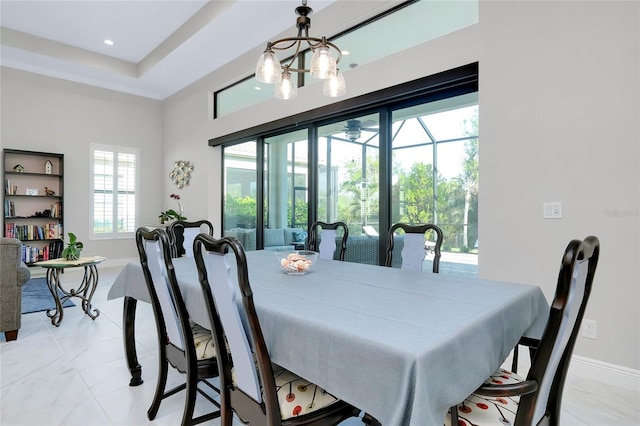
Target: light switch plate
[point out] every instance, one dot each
(552, 210)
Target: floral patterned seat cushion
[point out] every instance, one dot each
(298, 396)
(203, 340)
(481, 410)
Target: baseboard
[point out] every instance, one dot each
(604, 372)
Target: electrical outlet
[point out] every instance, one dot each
(589, 329)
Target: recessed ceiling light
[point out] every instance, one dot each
(345, 52)
(108, 42)
(257, 87)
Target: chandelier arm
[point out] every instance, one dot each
(295, 55)
(309, 40)
(292, 40)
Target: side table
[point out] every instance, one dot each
(84, 291)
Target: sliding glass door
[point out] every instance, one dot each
(412, 160)
(435, 170)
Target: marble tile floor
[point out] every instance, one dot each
(76, 374)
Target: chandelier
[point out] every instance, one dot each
(323, 64)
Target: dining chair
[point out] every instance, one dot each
(256, 390)
(185, 345)
(415, 245)
(508, 399)
(182, 234)
(326, 245)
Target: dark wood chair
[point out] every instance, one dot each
(509, 399)
(185, 345)
(326, 245)
(415, 245)
(182, 234)
(257, 391)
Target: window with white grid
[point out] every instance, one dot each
(114, 185)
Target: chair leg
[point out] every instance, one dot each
(11, 335)
(454, 415)
(160, 386)
(514, 361)
(190, 398)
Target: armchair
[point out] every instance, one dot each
(13, 274)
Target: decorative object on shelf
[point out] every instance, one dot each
(43, 213)
(323, 64)
(18, 168)
(171, 215)
(49, 191)
(181, 174)
(32, 191)
(48, 167)
(73, 248)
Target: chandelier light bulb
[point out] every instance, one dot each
(268, 68)
(323, 64)
(286, 88)
(334, 86)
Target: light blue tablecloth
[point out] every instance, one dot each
(401, 345)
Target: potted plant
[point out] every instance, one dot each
(73, 249)
(170, 215)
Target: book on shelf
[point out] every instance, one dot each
(50, 231)
(32, 254)
(9, 209)
(10, 189)
(56, 210)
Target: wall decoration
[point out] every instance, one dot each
(48, 167)
(181, 174)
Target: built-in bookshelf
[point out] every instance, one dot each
(33, 202)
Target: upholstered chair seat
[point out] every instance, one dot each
(484, 410)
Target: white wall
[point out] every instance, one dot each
(559, 121)
(46, 114)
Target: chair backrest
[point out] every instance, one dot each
(415, 245)
(326, 245)
(223, 274)
(551, 362)
(172, 319)
(182, 234)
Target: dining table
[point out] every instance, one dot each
(401, 345)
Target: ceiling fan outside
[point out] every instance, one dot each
(353, 128)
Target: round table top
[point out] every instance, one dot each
(64, 263)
